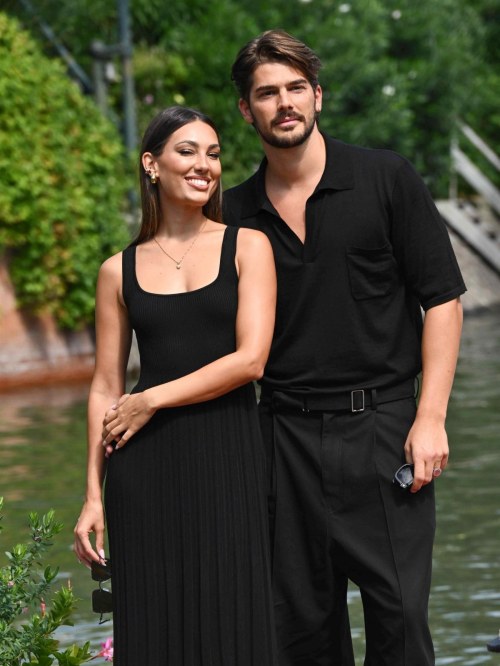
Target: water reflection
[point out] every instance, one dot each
(43, 465)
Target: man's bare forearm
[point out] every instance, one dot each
(440, 345)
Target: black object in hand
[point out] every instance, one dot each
(102, 600)
(404, 476)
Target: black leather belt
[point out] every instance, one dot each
(355, 400)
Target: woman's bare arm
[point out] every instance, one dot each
(254, 332)
(113, 339)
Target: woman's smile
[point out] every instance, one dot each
(198, 182)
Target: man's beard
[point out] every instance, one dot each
(286, 141)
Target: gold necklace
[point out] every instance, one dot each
(178, 263)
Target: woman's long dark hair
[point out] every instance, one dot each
(156, 136)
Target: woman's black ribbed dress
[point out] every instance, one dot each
(185, 498)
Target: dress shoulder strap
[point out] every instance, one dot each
(128, 272)
(228, 253)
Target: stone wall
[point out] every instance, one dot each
(482, 282)
(33, 349)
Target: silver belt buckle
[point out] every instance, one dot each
(352, 400)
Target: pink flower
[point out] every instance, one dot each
(42, 606)
(107, 651)
(24, 609)
(10, 583)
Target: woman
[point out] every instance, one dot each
(185, 482)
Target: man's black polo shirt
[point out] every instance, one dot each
(348, 311)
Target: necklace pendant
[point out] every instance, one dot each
(178, 265)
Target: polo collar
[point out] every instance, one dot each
(338, 175)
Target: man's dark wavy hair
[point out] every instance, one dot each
(273, 46)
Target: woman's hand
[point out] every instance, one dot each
(91, 520)
(128, 416)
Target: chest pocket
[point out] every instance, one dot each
(373, 271)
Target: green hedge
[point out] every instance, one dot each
(62, 182)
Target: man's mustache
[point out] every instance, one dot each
(282, 116)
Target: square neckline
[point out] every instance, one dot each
(181, 293)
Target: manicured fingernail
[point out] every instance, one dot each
(101, 553)
(114, 406)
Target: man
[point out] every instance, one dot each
(359, 247)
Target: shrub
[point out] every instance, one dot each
(23, 585)
(63, 182)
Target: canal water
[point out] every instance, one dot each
(43, 466)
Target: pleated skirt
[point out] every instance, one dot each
(186, 516)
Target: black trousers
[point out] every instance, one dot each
(335, 515)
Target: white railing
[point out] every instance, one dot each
(476, 178)
(481, 145)
(479, 234)
(470, 172)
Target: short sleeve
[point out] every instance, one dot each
(421, 243)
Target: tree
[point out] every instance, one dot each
(396, 73)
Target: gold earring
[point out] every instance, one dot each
(151, 174)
